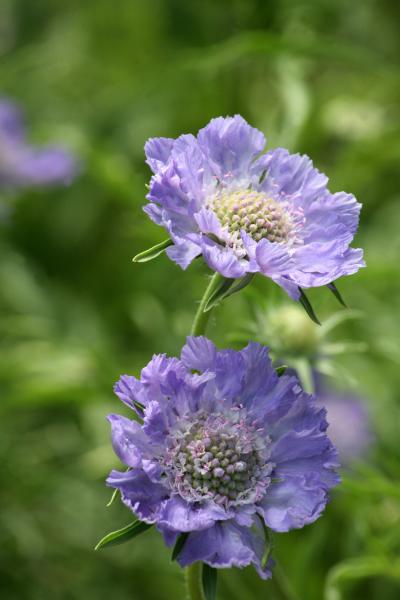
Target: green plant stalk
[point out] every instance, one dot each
(193, 573)
(193, 581)
(201, 318)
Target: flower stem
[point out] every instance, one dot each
(201, 318)
(193, 572)
(193, 581)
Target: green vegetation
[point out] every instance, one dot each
(318, 77)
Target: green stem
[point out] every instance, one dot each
(201, 318)
(193, 573)
(283, 584)
(193, 581)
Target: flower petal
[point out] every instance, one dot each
(223, 260)
(158, 151)
(129, 441)
(199, 353)
(179, 515)
(225, 545)
(144, 497)
(273, 258)
(230, 144)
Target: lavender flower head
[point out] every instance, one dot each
(23, 165)
(248, 212)
(349, 423)
(226, 449)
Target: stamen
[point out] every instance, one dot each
(255, 213)
(221, 459)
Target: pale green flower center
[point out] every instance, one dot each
(255, 213)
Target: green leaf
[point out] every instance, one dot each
(281, 370)
(332, 287)
(180, 542)
(123, 535)
(343, 574)
(269, 544)
(114, 495)
(226, 288)
(219, 293)
(209, 580)
(152, 252)
(304, 301)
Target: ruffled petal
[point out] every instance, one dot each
(296, 501)
(225, 545)
(230, 144)
(229, 369)
(179, 515)
(158, 151)
(155, 376)
(260, 377)
(222, 260)
(292, 175)
(273, 258)
(329, 209)
(209, 223)
(130, 391)
(144, 497)
(183, 253)
(129, 441)
(199, 353)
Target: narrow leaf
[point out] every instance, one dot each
(226, 289)
(336, 293)
(180, 542)
(281, 370)
(114, 495)
(240, 284)
(304, 301)
(269, 544)
(219, 293)
(123, 535)
(153, 252)
(209, 580)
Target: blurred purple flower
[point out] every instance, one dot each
(248, 212)
(349, 423)
(23, 165)
(226, 449)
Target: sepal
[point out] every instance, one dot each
(180, 542)
(123, 535)
(279, 371)
(209, 582)
(269, 545)
(332, 287)
(306, 304)
(226, 288)
(152, 252)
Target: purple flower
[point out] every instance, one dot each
(349, 423)
(226, 449)
(248, 212)
(23, 165)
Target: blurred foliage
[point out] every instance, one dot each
(101, 77)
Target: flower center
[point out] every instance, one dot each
(226, 463)
(259, 216)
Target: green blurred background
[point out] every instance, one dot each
(101, 77)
